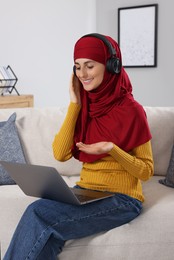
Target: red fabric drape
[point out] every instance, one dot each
(108, 113)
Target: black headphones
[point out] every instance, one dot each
(113, 64)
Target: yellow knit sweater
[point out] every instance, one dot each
(118, 172)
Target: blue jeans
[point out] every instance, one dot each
(46, 225)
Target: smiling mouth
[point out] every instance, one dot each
(86, 82)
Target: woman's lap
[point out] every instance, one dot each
(120, 209)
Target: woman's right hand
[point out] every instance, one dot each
(74, 90)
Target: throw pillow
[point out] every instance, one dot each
(10, 147)
(169, 179)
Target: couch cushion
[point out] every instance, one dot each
(161, 122)
(37, 128)
(10, 147)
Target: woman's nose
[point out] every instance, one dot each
(82, 73)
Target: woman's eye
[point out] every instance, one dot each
(77, 68)
(90, 67)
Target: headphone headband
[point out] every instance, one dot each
(105, 40)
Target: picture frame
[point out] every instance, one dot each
(137, 35)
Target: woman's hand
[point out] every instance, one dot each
(96, 148)
(74, 89)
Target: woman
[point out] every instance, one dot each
(107, 130)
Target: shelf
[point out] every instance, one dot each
(15, 101)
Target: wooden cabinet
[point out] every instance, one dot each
(15, 101)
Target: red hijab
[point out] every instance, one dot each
(108, 113)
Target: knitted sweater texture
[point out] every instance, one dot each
(120, 171)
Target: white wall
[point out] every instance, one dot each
(37, 39)
(152, 86)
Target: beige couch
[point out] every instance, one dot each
(149, 237)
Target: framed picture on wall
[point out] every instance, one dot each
(137, 35)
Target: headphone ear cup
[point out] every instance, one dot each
(113, 65)
(74, 70)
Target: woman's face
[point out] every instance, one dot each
(90, 73)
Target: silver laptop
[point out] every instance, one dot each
(46, 182)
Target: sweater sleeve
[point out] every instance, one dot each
(63, 140)
(139, 162)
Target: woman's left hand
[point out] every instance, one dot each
(96, 148)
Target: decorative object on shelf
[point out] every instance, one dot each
(137, 35)
(8, 80)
